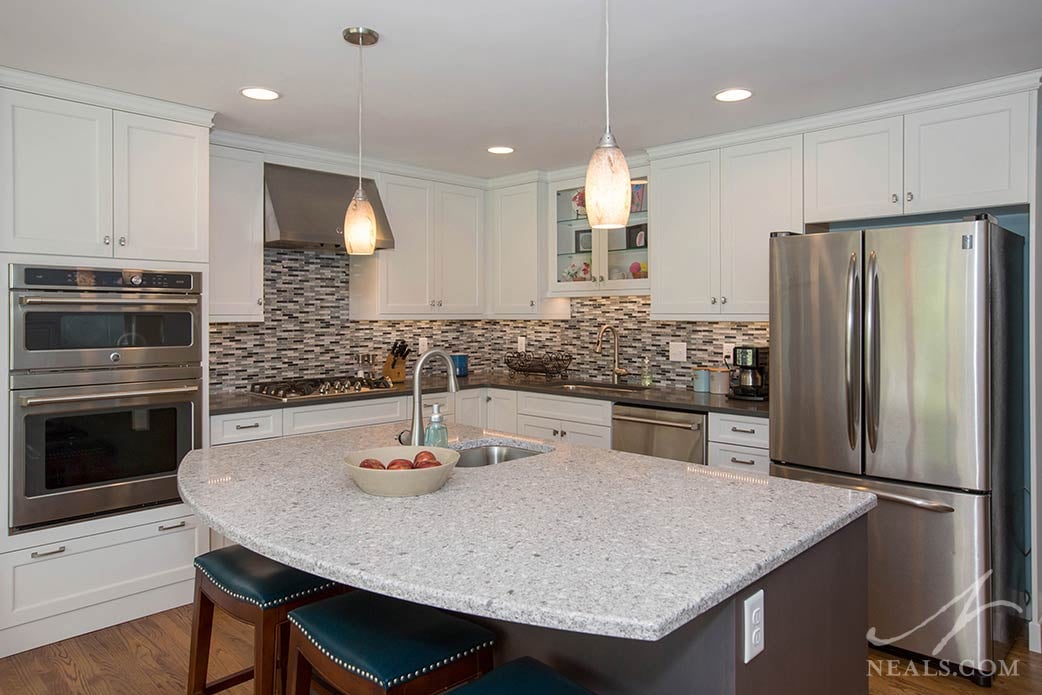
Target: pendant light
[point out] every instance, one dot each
(608, 193)
(360, 220)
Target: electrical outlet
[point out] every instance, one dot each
(425, 345)
(754, 634)
(728, 351)
(678, 352)
(522, 342)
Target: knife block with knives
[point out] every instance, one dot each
(394, 365)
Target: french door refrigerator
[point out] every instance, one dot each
(896, 367)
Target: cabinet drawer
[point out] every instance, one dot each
(739, 429)
(744, 459)
(244, 427)
(74, 574)
(585, 410)
(335, 416)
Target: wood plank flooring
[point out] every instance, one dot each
(150, 657)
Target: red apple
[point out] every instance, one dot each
(375, 464)
(400, 465)
(428, 463)
(424, 456)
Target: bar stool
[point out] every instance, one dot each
(366, 644)
(255, 590)
(524, 676)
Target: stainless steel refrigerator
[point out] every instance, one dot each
(897, 367)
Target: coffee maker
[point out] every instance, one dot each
(749, 373)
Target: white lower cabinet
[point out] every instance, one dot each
(739, 443)
(501, 410)
(50, 580)
(538, 427)
(245, 427)
(598, 436)
(470, 407)
(582, 421)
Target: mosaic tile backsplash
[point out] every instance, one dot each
(307, 332)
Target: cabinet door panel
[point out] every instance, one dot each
(538, 427)
(236, 235)
(854, 171)
(968, 155)
(501, 413)
(685, 215)
(470, 407)
(161, 184)
(458, 251)
(56, 176)
(514, 265)
(586, 435)
(761, 192)
(406, 272)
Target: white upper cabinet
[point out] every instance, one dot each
(761, 191)
(406, 272)
(685, 253)
(514, 250)
(459, 252)
(968, 155)
(55, 176)
(236, 235)
(161, 197)
(854, 171)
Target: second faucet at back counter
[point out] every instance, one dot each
(616, 370)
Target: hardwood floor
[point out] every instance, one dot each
(150, 657)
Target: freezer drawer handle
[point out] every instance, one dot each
(179, 301)
(79, 398)
(926, 505)
(743, 430)
(747, 463)
(693, 426)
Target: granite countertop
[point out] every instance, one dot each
(227, 402)
(579, 539)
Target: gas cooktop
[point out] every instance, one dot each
(321, 387)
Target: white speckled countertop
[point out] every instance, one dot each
(578, 539)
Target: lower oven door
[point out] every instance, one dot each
(86, 450)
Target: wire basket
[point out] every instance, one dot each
(550, 364)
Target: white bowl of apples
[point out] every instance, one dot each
(401, 471)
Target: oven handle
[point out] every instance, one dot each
(78, 398)
(179, 301)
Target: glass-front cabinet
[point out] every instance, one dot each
(587, 262)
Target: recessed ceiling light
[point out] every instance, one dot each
(501, 149)
(259, 93)
(733, 94)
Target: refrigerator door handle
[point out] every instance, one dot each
(872, 352)
(853, 338)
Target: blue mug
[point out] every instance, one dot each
(461, 363)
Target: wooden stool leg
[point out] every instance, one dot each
(265, 633)
(299, 668)
(283, 651)
(202, 630)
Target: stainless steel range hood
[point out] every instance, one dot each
(304, 209)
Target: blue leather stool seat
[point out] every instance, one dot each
(524, 676)
(385, 640)
(254, 578)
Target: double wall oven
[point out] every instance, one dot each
(106, 389)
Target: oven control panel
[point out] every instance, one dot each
(104, 279)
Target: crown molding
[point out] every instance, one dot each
(311, 157)
(1011, 84)
(534, 176)
(101, 96)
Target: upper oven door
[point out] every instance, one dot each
(76, 330)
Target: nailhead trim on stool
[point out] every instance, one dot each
(372, 677)
(268, 604)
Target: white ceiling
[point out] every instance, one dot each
(450, 78)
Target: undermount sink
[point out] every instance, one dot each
(488, 455)
(579, 386)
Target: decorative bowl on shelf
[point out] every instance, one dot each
(400, 483)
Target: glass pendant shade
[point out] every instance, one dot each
(360, 226)
(608, 195)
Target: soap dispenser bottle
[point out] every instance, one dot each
(437, 434)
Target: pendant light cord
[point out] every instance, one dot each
(607, 40)
(361, 96)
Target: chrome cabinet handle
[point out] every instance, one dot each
(79, 398)
(488, 399)
(36, 553)
(712, 300)
(563, 433)
(107, 240)
(432, 304)
(895, 198)
(693, 426)
(439, 302)
(171, 527)
(743, 462)
(531, 302)
(556, 432)
(723, 300)
(251, 426)
(853, 338)
(743, 430)
(909, 197)
(122, 241)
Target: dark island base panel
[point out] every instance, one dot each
(815, 620)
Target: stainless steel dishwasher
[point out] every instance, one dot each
(670, 434)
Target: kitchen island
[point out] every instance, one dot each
(625, 572)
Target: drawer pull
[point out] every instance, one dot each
(747, 463)
(36, 553)
(251, 426)
(743, 430)
(171, 527)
